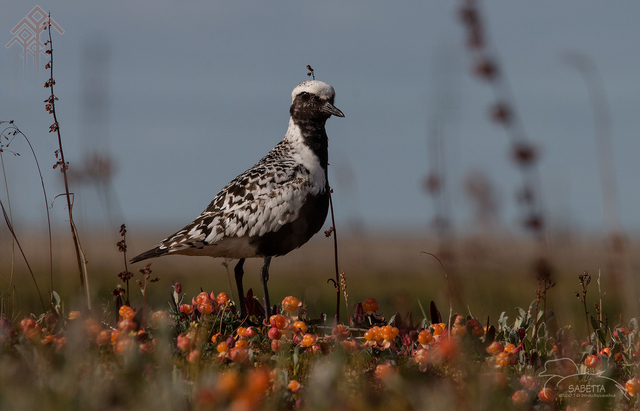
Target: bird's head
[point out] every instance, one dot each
(313, 100)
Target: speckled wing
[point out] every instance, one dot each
(260, 200)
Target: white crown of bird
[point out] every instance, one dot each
(319, 88)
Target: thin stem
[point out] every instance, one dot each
(44, 194)
(446, 276)
(6, 219)
(335, 255)
(13, 242)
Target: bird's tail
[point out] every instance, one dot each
(155, 252)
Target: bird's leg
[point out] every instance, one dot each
(239, 272)
(264, 277)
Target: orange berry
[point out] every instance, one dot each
(278, 320)
(425, 337)
(27, 324)
(309, 339)
(205, 398)
(123, 346)
(459, 330)
(92, 327)
(129, 314)
(123, 310)
(258, 382)
(546, 395)
(115, 335)
(519, 397)
(300, 327)
(34, 333)
(495, 348)
(184, 342)
(375, 333)
(448, 348)
(438, 328)
(504, 358)
(389, 333)
(384, 371)
(160, 318)
(222, 347)
(126, 325)
(48, 339)
(241, 343)
(205, 308)
(606, 351)
(222, 298)
(276, 345)
(238, 354)
(474, 323)
(509, 348)
(294, 386)
(632, 386)
(202, 298)
(422, 356)
(60, 342)
(528, 382)
(240, 331)
(370, 335)
(370, 305)
(227, 382)
(194, 356)
(103, 338)
(291, 304)
(592, 361)
(186, 308)
(74, 315)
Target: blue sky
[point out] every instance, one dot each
(184, 96)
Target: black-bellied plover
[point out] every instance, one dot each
(275, 206)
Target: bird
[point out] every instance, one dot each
(275, 206)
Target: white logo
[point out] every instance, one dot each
(573, 383)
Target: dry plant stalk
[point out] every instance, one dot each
(585, 279)
(337, 281)
(55, 127)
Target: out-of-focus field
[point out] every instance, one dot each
(490, 275)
